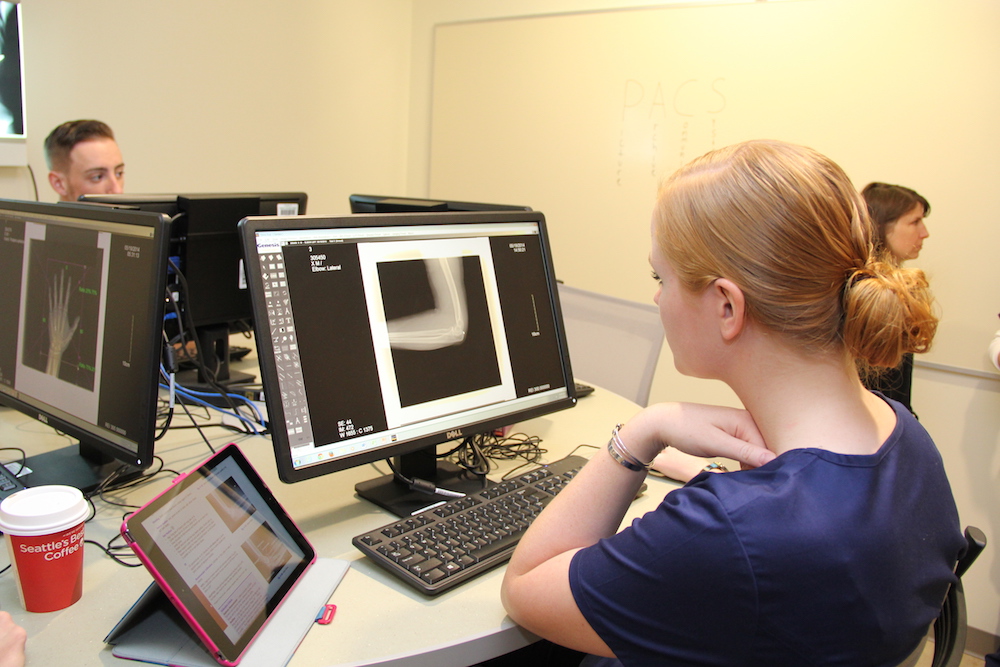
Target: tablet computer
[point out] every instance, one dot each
(223, 551)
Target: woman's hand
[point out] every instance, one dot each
(699, 430)
(679, 466)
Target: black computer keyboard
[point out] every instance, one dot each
(451, 543)
(9, 483)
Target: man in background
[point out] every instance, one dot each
(84, 158)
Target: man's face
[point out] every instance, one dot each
(95, 167)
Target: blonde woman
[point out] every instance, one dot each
(836, 544)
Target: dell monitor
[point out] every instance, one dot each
(383, 204)
(81, 317)
(206, 249)
(382, 336)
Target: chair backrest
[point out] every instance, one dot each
(614, 343)
(951, 627)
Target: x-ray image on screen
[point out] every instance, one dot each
(437, 315)
(63, 305)
(11, 92)
(433, 318)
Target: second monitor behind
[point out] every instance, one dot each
(212, 292)
(385, 204)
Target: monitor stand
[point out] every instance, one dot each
(393, 495)
(79, 465)
(213, 343)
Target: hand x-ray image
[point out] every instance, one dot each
(62, 308)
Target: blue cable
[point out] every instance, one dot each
(182, 392)
(193, 395)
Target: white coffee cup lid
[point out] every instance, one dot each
(41, 510)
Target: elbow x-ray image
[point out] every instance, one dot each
(445, 322)
(438, 322)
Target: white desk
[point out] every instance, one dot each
(379, 621)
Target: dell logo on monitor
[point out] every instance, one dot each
(454, 435)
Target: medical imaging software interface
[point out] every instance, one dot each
(70, 319)
(386, 334)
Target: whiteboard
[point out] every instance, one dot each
(580, 115)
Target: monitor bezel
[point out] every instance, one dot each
(94, 437)
(370, 205)
(287, 472)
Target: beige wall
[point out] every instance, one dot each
(228, 95)
(334, 97)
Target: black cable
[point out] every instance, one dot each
(198, 427)
(93, 508)
(199, 359)
(24, 457)
(423, 485)
(245, 328)
(229, 427)
(170, 363)
(110, 485)
(110, 551)
(34, 183)
(207, 373)
(477, 453)
(181, 337)
(469, 454)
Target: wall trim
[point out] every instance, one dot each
(979, 642)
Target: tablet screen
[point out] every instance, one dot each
(223, 550)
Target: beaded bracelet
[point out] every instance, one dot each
(620, 453)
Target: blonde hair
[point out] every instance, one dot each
(786, 225)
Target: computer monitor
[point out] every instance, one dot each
(383, 204)
(381, 336)
(206, 248)
(81, 316)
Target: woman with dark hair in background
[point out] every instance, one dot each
(897, 214)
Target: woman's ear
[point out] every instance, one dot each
(731, 308)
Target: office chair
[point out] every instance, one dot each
(950, 628)
(614, 343)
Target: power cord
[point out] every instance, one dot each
(422, 485)
(478, 453)
(117, 552)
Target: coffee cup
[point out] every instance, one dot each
(44, 528)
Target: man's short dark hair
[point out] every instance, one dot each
(61, 140)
